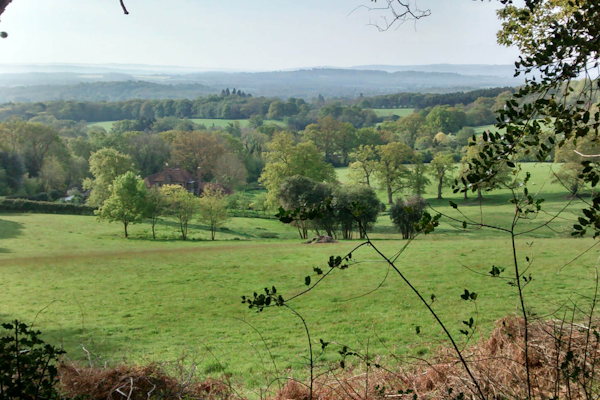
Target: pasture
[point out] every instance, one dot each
(208, 122)
(387, 112)
(144, 300)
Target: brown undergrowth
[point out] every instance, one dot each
(136, 383)
(562, 361)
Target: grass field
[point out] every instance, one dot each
(85, 285)
(386, 112)
(209, 123)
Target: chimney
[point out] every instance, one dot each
(167, 174)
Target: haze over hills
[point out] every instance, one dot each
(108, 82)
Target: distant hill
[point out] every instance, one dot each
(464, 69)
(103, 91)
(306, 83)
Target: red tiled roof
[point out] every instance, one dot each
(171, 176)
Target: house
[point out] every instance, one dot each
(183, 178)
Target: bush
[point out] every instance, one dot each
(27, 364)
(43, 207)
(406, 213)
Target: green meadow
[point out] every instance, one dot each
(387, 112)
(138, 300)
(208, 122)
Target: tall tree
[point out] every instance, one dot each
(364, 165)
(392, 173)
(441, 167)
(286, 159)
(213, 208)
(182, 205)
(156, 206)
(197, 149)
(127, 201)
(105, 166)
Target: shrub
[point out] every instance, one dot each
(406, 213)
(43, 207)
(27, 364)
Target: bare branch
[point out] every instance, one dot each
(400, 11)
(124, 8)
(3, 5)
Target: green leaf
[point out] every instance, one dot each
(307, 281)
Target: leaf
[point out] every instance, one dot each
(453, 205)
(307, 281)
(418, 330)
(510, 164)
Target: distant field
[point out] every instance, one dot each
(152, 300)
(386, 112)
(219, 123)
(480, 129)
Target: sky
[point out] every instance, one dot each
(246, 35)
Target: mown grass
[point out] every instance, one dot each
(386, 112)
(85, 285)
(208, 122)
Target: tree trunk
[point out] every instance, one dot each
(125, 225)
(368, 180)
(479, 196)
(466, 197)
(153, 232)
(440, 188)
(389, 193)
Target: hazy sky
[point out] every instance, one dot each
(246, 34)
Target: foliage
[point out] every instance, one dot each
(127, 201)
(105, 165)
(182, 205)
(391, 173)
(286, 159)
(440, 169)
(156, 207)
(27, 364)
(198, 149)
(364, 165)
(212, 208)
(43, 207)
(405, 214)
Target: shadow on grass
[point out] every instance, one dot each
(238, 235)
(9, 230)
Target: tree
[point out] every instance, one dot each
(464, 135)
(406, 213)
(356, 207)
(156, 205)
(286, 159)
(230, 171)
(127, 201)
(302, 192)
(571, 170)
(417, 180)
(105, 166)
(35, 142)
(475, 157)
(182, 205)
(441, 167)
(391, 173)
(197, 149)
(53, 175)
(14, 170)
(365, 164)
(410, 128)
(446, 119)
(213, 208)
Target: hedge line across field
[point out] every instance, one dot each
(42, 207)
